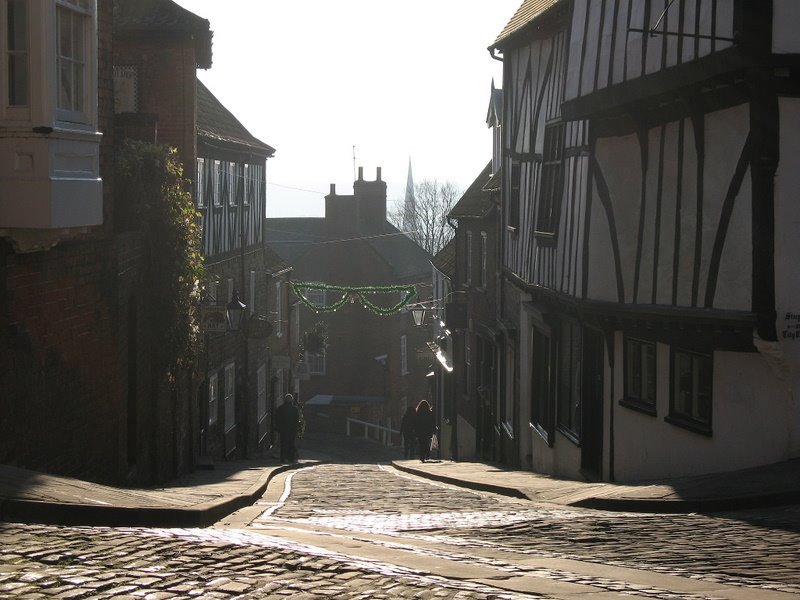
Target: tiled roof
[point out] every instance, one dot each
(445, 259)
(530, 10)
(292, 237)
(215, 123)
(475, 202)
(165, 16)
(155, 14)
(494, 183)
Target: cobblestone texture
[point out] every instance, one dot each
(756, 550)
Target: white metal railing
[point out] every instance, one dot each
(382, 434)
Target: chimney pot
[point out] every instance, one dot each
(379, 174)
(361, 173)
(333, 189)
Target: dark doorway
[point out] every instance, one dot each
(488, 432)
(592, 404)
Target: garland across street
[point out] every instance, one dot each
(344, 293)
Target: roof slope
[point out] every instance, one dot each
(476, 202)
(217, 124)
(445, 259)
(530, 10)
(292, 237)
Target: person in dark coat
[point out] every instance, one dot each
(286, 418)
(407, 431)
(425, 428)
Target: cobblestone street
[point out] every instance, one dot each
(365, 530)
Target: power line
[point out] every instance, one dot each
(323, 242)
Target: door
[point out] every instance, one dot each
(592, 404)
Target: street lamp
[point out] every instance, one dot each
(418, 314)
(235, 310)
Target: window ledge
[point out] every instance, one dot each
(690, 424)
(570, 435)
(545, 238)
(511, 229)
(639, 406)
(548, 439)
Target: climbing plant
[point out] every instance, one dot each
(155, 201)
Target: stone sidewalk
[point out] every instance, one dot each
(770, 485)
(196, 500)
(207, 495)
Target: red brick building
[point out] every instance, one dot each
(371, 359)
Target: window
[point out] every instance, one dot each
(261, 392)
(279, 308)
(483, 260)
(316, 363)
(73, 22)
(552, 180)
(213, 398)
(17, 53)
(233, 187)
(403, 355)
(211, 291)
(468, 262)
(247, 185)
(201, 183)
(541, 389)
(514, 195)
(216, 183)
(315, 296)
(690, 397)
(569, 379)
(640, 375)
(230, 396)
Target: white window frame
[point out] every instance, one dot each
(316, 363)
(213, 398)
(22, 110)
(216, 183)
(279, 308)
(200, 183)
(229, 400)
(484, 279)
(232, 184)
(261, 392)
(248, 185)
(84, 11)
(211, 290)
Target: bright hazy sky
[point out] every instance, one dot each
(396, 79)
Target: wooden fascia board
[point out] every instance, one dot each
(613, 98)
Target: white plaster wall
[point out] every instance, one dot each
(785, 18)
(786, 352)
(752, 418)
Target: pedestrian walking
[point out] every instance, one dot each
(408, 432)
(286, 419)
(425, 426)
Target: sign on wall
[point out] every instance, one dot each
(213, 319)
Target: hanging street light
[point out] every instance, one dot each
(418, 314)
(235, 310)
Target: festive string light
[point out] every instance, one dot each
(345, 293)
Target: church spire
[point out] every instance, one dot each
(410, 205)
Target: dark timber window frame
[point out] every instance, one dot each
(551, 188)
(695, 411)
(640, 375)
